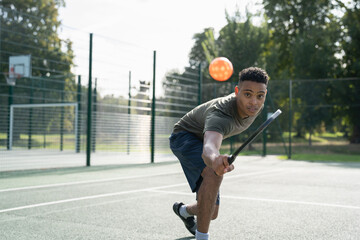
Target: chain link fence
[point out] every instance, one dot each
(106, 106)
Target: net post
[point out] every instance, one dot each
(89, 107)
(152, 135)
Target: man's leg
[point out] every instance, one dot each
(192, 209)
(207, 195)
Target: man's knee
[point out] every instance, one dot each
(209, 173)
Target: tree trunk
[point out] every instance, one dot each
(355, 135)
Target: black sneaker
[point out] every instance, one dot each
(189, 222)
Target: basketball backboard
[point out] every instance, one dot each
(19, 66)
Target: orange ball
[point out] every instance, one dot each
(221, 69)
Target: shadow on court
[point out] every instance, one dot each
(263, 198)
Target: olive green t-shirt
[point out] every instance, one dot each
(219, 115)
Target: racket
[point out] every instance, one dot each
(232, 157)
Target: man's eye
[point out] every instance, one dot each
(261, 96)
(247, 94)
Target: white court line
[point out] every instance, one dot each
(252, 174)
(90, 197)
(114, 179)
(116, 193)
(85, 182)
(268, 200)
(294, 202)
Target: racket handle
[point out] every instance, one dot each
(231, 159)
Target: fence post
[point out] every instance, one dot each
(290, 118)
(265, 112)
(30, 115)
(10, 102)
(89, 107)
(129, 117)
(93, 143)
(152, 135)
(62, 116)
(79, 115)
(200, 84)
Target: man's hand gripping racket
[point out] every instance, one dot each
(232, 157)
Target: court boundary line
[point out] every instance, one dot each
(85, 182)
(119, 193)
(269, 200)
(115, 179)
(88, 197)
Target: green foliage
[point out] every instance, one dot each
(241, 42)
(325, 157)
(351, 60)
(301, 40)
(31, 28)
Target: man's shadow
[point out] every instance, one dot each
(186, 238)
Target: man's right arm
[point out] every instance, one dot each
(211, 155)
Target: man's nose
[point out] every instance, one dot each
(253, 101)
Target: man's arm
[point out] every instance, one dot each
(212, 156)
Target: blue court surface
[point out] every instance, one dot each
(263, 198)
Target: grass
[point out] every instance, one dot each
(326, 147)
(324, 157)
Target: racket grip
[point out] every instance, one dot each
(231, 159)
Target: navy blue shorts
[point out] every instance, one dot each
(188, 148)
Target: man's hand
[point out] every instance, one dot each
(221, 165)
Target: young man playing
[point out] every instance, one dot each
(196, 141)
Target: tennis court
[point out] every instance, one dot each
(263, 198)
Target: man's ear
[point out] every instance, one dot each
(236, 90)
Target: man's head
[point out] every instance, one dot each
(253, 74)
(251, 91)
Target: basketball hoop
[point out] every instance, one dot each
(11, 77)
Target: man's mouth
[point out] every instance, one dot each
(253, 109)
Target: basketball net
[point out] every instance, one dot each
(12, 76)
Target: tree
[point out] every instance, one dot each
(307, 34)
(31, 28)
(240, 41)
(350, 43)
(205, 47)
(243, 42)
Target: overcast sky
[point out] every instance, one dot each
(129, 30)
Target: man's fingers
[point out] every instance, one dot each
(229, 168)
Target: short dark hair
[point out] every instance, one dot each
(254, 74)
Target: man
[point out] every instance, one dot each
(196, 141)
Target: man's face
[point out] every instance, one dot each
(250, 96)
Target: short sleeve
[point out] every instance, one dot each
(218, 122)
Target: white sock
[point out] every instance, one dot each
(201, 236)
(183, 212)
